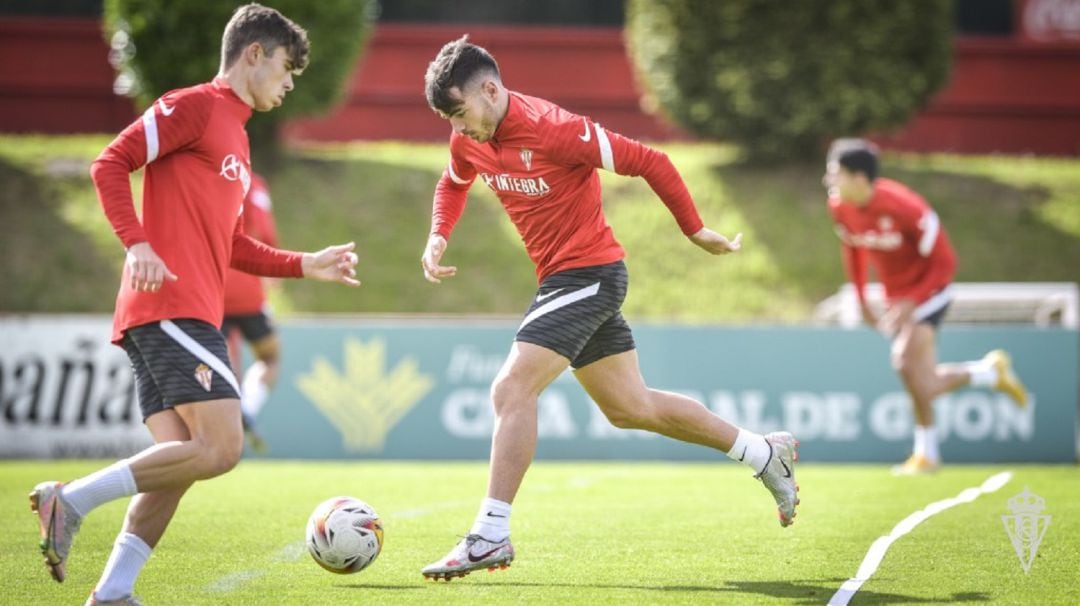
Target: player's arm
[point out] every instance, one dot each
(332, 264)
(451, 193)
(855, 267)
(578, 139)
(166, 126)
(924, 227)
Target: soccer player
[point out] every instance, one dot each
(247, 316)
(169, 306)
(541, 161)
(882, 222)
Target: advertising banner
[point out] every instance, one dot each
(420, 390)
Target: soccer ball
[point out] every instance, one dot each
(344, 535)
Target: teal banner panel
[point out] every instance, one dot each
(420, 390)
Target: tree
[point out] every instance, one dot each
(160, 45)
(780, 78)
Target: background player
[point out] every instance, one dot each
(170, 303)
(247, 316)
(882, 222)
(541, 162)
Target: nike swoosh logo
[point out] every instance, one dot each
(494, 515)
(165, 109)
(743, 455)
(587, 134)
(477, 558)
(542, 297)
(787, 472)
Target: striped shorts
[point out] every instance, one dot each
(575, 313)
(178, 362)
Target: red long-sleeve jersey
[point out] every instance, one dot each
(244, 293)
(902, 238)
(193, 144)
(541, 163)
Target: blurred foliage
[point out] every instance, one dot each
(781, 78)
(161, 45)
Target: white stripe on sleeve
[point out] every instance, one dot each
(607, 157)
(453, 175)
(200, 352)
(930, 225)
(150, 129)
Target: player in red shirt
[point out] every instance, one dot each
(170, 303)
(541, 161)
(885, 224)
(247, 316)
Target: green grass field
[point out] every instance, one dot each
(585, 533)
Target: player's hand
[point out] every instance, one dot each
(433, 252)
(868, 315)
(896, 317)
(146, 269)
(714, 243)
(332, 264)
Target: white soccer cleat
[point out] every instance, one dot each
(472, 553)
(779, 474)
(58, 524)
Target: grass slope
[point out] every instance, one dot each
(1011, 219)
(586, 533)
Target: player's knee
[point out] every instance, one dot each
(221, 458)
(623, 418)
(629, 414)
(506, 394)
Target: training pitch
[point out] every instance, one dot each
(585, 533)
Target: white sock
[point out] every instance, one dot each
(254, 391)
(751, 449)
(113, 482)
(982, 373)
(493, 520)
(926, 442)
(127, 559)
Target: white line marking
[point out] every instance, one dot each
(877, 550)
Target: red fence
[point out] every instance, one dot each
(1005, 95)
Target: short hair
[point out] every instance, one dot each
(855, 155)
(257, 23)
(457, 63)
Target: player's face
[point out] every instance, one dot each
(271, 79)
(476, 117)
(842, 183)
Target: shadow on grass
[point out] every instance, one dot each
(794, 592)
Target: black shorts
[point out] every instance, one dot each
(254, 326)
(178, 362)
(932, 311)
(575, 313)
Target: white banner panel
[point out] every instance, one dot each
(65, 391)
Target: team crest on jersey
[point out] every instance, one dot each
(203, 375)
(526, 158)
(233, 169)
